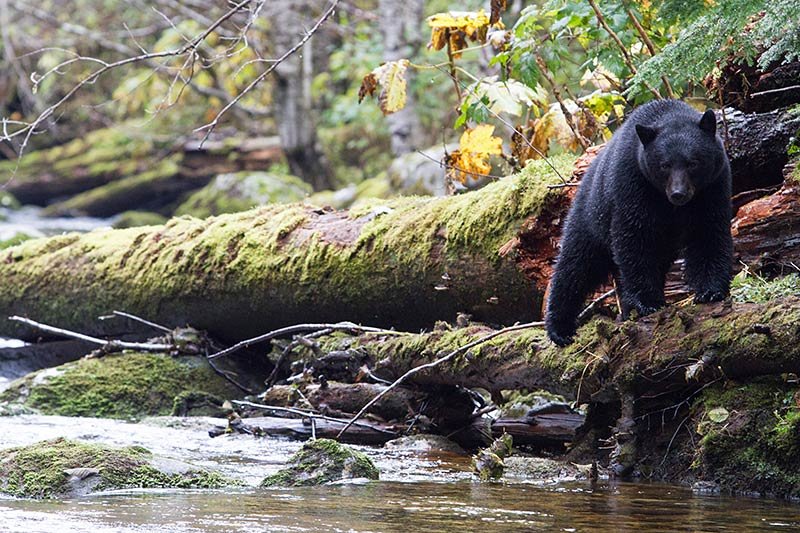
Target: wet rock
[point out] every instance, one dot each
(322, 461)
(540, 469)
(425, 443)
(489, 463)
(240, 191)
(136, 219)
(62, 468)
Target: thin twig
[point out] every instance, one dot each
(30, 128)
(136, 319)
(567, 115)
(433, 364)
(106, 344)
(649, 44)
(589, 308)
(209, 128)
(307, 414)
(626, 57)
(779, 90)
(299, 328)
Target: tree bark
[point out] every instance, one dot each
(399, 23)
(294, 113)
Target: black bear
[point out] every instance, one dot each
(662, 184)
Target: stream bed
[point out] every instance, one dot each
(417, 492)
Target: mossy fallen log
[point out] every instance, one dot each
(151, 170)
(739, 340)
(402, 263)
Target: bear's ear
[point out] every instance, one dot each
(646, 134)
(709, 122)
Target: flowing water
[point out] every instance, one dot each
(417, 493)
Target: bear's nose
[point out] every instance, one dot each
(679, 197)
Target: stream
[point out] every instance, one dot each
(417, 492)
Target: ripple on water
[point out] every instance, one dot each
(417, 494)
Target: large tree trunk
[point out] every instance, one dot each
(399, 23)
(405, 264)
(294, 113)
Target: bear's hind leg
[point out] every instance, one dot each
(582, 265)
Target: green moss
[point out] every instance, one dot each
(100, 152)
(231, 193)
(126, 386)
(41, 470)
(16, 239)
(756, 449)
(321, 461)
(747, 287)
(135, 219)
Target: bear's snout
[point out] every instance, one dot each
(679, 188)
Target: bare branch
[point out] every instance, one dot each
(299, 328)
(107, 346)
(209, 128)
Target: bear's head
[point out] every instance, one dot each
(681, 156)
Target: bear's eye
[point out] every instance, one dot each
(665, 166)
(693, 164)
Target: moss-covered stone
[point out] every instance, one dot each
(15, 239)
(322, 461)
(754, 446)
(63, 468)
(136, 219)
(240, 191)
(126, 386)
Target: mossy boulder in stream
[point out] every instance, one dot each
(322, 461)
(125, 386)
(240, 191)
(137, 219)
(62, 468)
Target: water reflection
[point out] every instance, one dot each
(407, 507)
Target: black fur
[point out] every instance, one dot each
(662, 184)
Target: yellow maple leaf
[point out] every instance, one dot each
(456, 27)
(472, 157)
(391, 77)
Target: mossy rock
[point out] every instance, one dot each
(240, 191)
(8, 201)
(123, 386)
(136, 219)
(62, 468)
(750, 438)
(17, 238)
(322, 461)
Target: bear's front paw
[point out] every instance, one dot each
(710, 295)
(644, 309)
(560, 338)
